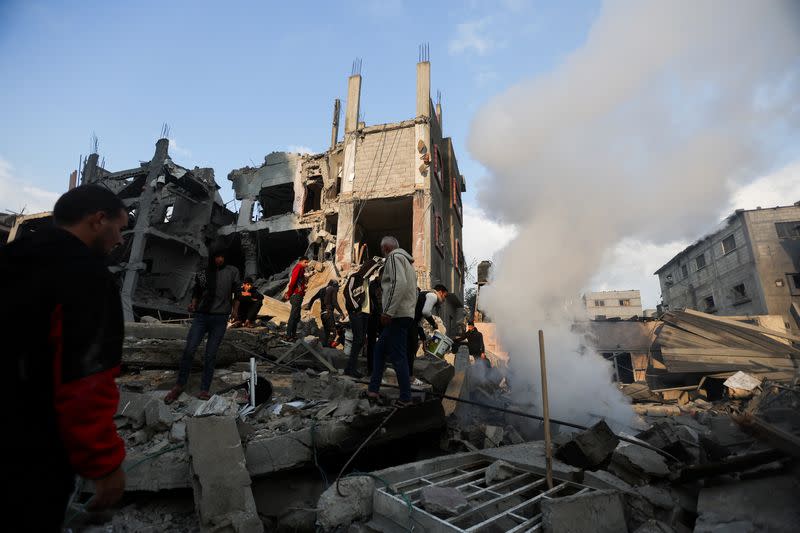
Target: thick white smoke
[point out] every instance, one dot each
(641, 133)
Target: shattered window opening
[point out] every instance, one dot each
(437, 166)
(740, 294)
(794, 283)
(709, 303)
(728, 244)
(168, 212)
(599, 303)
(788, 230)
(700, 261)
(685, 271)
(625, 303)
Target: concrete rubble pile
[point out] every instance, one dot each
(730, 466)
(709, 462)
(308, 419)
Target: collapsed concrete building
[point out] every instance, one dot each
(749, 267)
(174, 214)
(398, 179)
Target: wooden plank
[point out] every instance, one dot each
(742, 325)
(722, 351)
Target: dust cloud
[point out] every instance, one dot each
(642, 133)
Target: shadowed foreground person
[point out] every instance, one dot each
(61, 320)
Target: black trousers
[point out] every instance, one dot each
(415, 332)
(248, 310)
(328, 327)
(294, 315)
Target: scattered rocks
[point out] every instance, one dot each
(443, 501)
(334, 510)
(499, 471)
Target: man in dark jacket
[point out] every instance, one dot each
(359, 305)
(61, 322)
(374, 325)
(329, 298)
(246, 306)
(212, 297)
(295, 293)
(473, 339)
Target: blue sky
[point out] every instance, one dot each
(239, 80)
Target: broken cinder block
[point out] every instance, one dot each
(591, 448)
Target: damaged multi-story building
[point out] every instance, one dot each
(749, 267)
(398, 179)
(174, 214)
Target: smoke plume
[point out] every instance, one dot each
(641, 133)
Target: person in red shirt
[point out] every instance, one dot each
(295, 293)
(63, 329)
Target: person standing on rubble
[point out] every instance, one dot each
(63, 328)
(247, 305)
(294, 294)
(329, 299)
(473, 339)
(399, 286)
(374, 326)
(427, 301)
(359, 305)
(212, 297)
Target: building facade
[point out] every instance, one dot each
(749, 267)
(398, 179)
(613, 304)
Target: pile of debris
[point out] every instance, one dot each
(703, 472)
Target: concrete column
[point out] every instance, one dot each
(250, 250)
(439, 116)
(337, 108)
(90, 169)
(422, 132)
(350, 132)
(143, 219)
(345, 230)
(420, 242)
(245, 212)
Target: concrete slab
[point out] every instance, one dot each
(221, 483)
(768, 504)
(593, 512)
(335, 511)
(531, 456)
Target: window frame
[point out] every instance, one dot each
(792, 234)
(733, 237)
(697, 265)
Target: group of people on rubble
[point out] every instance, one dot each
(69, 335)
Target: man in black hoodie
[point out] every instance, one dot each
(329, 297)
(62, 350)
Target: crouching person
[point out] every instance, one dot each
(247, 305)
(212, 299)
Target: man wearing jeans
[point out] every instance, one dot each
(295, 294)
(399, 286)
(359, 306)
(211, 302)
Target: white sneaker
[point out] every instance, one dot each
(417, 382)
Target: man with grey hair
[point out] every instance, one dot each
(399, 286)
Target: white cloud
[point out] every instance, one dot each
(176, 150)
(779, 188)
(483, 237)
(17, 196)
(472, 36)
(630, 265)
(300, 149)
